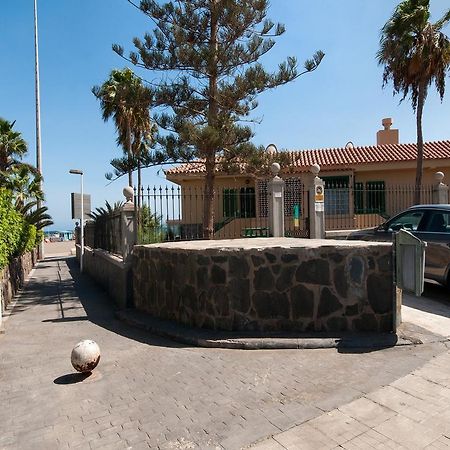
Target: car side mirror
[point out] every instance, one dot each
(381, 227)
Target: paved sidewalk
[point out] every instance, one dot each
(410, 413)
(148, 392)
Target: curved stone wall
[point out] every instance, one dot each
(267, 284)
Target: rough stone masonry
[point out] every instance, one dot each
(268, 284)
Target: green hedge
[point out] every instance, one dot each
(17, 236)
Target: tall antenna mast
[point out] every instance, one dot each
(38, 115)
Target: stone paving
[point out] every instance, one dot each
(148, 392)
(413, 412)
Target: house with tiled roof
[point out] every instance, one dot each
(357, 179)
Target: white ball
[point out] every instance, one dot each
(85, 356)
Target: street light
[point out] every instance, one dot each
(80, 172)
(38, 113)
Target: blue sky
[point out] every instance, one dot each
(341, 101)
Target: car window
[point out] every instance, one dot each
(438, 222)
(410, 220)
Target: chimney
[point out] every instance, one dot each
(387, 136)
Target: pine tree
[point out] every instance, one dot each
(206, 54)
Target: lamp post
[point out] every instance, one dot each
(80, 172)
(38, 114)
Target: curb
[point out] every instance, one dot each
(255, 341)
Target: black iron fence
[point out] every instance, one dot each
(170, 213)
(368, 204)
(104, 233)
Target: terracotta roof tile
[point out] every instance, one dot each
(337, 158)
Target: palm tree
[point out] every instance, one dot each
(12, 145)
(124, 98)
(104, 213)
(24, 183)
(22, 179)
(37, 217)
(415, 54)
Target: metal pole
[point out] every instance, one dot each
(38, 116)
(82, 225)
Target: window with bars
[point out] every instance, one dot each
(239, 202)
(337, 195)
(247, 202)
(375, 197)
(230, 203)
(359, 198)
(370, 197)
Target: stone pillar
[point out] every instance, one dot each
(276, 203)
(316, 205)
(128, 224)
(440, 190)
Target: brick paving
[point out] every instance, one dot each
(413, 412)
(148, 392)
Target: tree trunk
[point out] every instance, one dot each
(210, 163)
(129, 152)
(419, 167)
(139, 189)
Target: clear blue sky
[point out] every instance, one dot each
(341, 101)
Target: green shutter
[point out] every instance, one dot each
(230, 203)
(248, 202)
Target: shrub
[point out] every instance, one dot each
(16, 235)
(28, 239)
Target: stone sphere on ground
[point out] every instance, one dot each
(85, 356)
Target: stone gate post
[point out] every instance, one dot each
(316, 205)
(276, 202)
(128, 223)
(440, 190)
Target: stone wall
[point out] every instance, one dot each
(268, 284)
(12, 277)
(110, 272)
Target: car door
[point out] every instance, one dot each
(435, 231)
(410, 220)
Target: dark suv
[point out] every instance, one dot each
(430, 223)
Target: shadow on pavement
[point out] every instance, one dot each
(100, 310)
(72, 378)
(66, 319)
(436, 291)
(67, 293)
(389, 341)
(434, 300)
